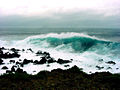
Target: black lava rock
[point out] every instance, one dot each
(12, 61)
(4, 67)
(51, 60)
(61, 61)
(27, 61)
(13, 69)
(111, 62)
(43, 60)
(99, 68)
(1, 61)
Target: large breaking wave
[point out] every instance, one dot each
(85, 50)
(73, 42)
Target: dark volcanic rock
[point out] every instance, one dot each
(58, 79)
(14, 50)
(99, 68)
(111, 62)
(43, 60)
(12, 61)
(109, 68)
(39, 53)
(4, 67)
(61, 61)
(30, 50)
(8, 71)
(27, 61)
(36, 62)
(9, 55)
(13, 69)
(20, 71)
(51, 60)
(18, 63)
(1, 61)
(100, 60)
(66, 65)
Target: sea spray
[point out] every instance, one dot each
(86, 51)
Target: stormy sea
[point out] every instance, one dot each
(91, 49)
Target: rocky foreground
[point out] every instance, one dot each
(74, 78)
(71, 79)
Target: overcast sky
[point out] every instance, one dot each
(60, 13)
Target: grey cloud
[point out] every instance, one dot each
(76, 19)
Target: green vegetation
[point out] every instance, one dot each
(71, 79)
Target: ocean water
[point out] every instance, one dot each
(86, 46)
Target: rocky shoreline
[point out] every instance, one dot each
(15, 78)
(58, 79)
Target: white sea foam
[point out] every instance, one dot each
(88, 60)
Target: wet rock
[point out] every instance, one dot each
(19, 70)
(8, 71)
(1, 61)
(46, 54)
(100, 60)
(23, 50)
(48, 65)
(66, 65)
(99, 68)
(2, 48)
(12, 61)
(51, 60)
(20, 60)
(18, 63)
(61, 61)
(14, 50)
(13, 69)
(39, 53)
(21, 64)
(4, 67)
(9, 55)
(109, 68)
(35, 62)
(34, 71)
(111, 62)
(27, 61)
(30, 50)
(43, 60)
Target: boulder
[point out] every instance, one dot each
(9, 55)
(27, 61)
(13, 68)
(20, 71)
(30, 50)
(61, 61)
(4, 67)
(43, 60)
(36, 62)
(99, 68)
(51, 60)
(8, 71)
(14, 50)
(109, 68)
(111, 62)
(39, 53)
(66, 65)
(12, 61)
(1, 61)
